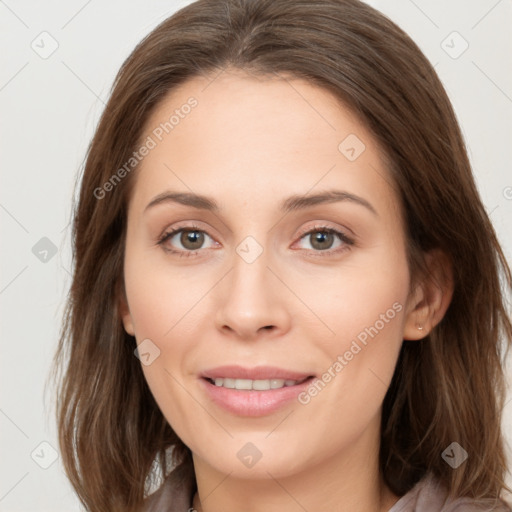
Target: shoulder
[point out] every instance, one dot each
(428, 495)
(174, 495)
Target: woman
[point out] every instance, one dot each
(213, 350)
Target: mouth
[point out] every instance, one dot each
(254, 385)
(253, 392)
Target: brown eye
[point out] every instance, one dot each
(186, 241)
(191, 240)
(324, 241)
(321, 240)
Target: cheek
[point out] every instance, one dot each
(157, 298)
(161, 300)
(158, 302)
(359, 296)
(364, 307)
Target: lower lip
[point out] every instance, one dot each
(253, 403)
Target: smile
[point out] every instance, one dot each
(253, 392)
(256, 385)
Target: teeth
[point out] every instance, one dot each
(258, 385)
(275, 383)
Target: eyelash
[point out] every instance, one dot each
(320, 228)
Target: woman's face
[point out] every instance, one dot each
(247, 286)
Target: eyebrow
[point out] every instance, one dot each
(292, 203)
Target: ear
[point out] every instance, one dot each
(124, 312)
(428, 302)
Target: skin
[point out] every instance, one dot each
(250, 143)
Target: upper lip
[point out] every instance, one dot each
(256, 373)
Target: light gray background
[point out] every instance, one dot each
(50, 107)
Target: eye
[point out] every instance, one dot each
(191, 239)
(323, 238)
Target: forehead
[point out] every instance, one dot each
(257, 138)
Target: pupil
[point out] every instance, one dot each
(320, 237)
(192, 237)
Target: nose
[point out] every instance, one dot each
(253, 301)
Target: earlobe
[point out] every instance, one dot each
(128, 324)
(126, 317)
(415, 327)
(431, 298)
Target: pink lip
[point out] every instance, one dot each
(258, 373)
(250, 402)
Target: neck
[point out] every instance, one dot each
(348, 480)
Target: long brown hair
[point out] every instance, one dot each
(448, 387)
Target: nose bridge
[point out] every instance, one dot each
(250, 274)
(251, 298)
